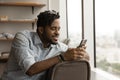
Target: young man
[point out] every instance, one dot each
(32, 53)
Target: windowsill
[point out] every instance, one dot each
(106, 75)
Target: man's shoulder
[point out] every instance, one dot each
(25, 33)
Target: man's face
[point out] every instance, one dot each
(51, 33)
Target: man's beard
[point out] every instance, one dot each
(51, 42)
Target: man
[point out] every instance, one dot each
(32, 53)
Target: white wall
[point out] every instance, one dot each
(54, 5)
(63, 19)
(88, 25)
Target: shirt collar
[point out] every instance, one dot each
(37, 39)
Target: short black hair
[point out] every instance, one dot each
(47, 17)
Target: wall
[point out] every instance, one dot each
(88, 25)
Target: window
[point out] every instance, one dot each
(108, 35)
(74, 10)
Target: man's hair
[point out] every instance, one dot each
(46, 18)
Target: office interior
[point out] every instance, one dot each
(94, 20)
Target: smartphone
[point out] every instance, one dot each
(83, 42)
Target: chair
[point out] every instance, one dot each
(70, 70)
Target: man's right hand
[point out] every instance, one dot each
(75, 54)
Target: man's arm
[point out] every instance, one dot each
(69, 55)
(42, 65)
(24, 58)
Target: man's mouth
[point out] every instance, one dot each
(55, 38)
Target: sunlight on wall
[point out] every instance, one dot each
(74, 22)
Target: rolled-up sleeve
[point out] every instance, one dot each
(22, 51)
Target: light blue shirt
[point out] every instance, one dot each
(26, 50)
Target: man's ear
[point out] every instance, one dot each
(40, 29)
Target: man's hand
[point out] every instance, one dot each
(76, 54)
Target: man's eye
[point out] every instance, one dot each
(53, 28)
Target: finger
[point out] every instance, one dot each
(84, 47)
(80, 49)
(78, 57)
(81, 54)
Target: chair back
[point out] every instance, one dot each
(70, 70)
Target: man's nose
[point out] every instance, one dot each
(57, 32)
